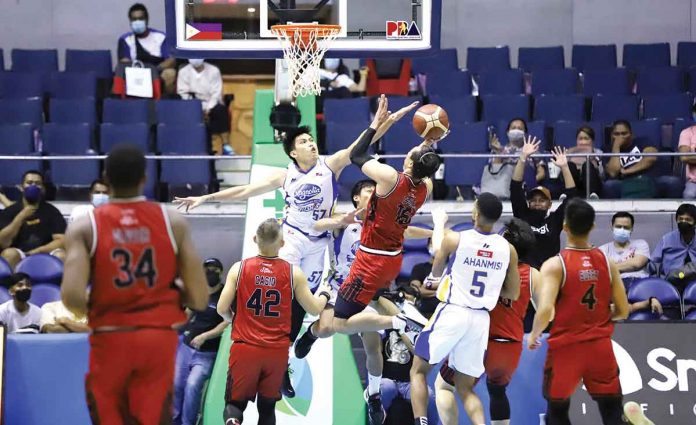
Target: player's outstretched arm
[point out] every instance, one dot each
(548, 287)
(414, 232)
(338, 221)
(511, 285)
(618, 294)
(237, 193)
(448, 246)
(229, 292)
(195, 289)
(309, 302)
(78, 239)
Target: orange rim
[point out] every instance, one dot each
(305, 31)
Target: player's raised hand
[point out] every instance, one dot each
(559, 157)
(189, 202)
(382, 114)
(351, 217)
(439, 216)
(396, 116)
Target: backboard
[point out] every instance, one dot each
(241, 28)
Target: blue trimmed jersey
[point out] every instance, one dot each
(309, 197)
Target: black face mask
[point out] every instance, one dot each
(213, 278)
(536, 216)
(685, 228)
(23, 295)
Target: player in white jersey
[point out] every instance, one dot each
(309, 183)
(482, 268)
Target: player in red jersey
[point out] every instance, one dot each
(131, 251)
(263, 288)
(504, 337)
(581, 284)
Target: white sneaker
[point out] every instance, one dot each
(634, 414)
(594, 196)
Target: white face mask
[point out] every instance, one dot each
(332, 63)
(516, 137)
(99, 199)
(139, 26)
(196, 62)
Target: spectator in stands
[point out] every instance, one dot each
(534, 208)
(673, 257)
(498, 174)
(203, 81)
(426, 301)
(630, 255)
(31, 226)
(580, 167)
(147, 45)
(687, 143)
(336, 81)
(55, 318)
(18, 314)
(196, 354)
(632, 169)
(98, 195)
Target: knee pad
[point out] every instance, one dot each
(266, 408)
(496, 390)
(499, 406)
(557, 413)
(234, 410)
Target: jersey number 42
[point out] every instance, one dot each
(262, 302)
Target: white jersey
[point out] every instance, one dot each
(309, 196)
(343, 252)
(476, 271)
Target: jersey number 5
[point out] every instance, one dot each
(262, 304)
(478, 285)
(144, 269)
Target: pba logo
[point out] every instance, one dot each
(304, 387)
(402, 30)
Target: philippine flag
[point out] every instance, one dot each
(196, 31)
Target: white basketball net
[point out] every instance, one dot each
(304, 46)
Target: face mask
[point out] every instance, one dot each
(516, 137)
(331, 63)
(621, 235)
(23, 295)
(32, 194)
(537, 216)
(196, 63)
(139, 26)
(213, 278)
(99, 199)
(685, 228)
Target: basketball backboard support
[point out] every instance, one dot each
(228, 29)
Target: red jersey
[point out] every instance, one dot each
(582, 306)
(388, 216)
(134, 257)
(264, 302)
(507, 318)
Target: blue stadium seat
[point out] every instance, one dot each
(448, 83)
(667, 107)
(16, 139)
(5, 272)
(593, 57)
(20, 85)
(557, 108)
(41, 268)
(398, 102)
(555, 82)
(182, 139)
(659, 81)
(611, 189)
(691, 80)
(564, 133)
(190, 171)
(409, 260)
(533, 59)
(73, 85)
(136, 134)
(485, 59)
(74, 173)
(691, 316)
(668, 296)
(67, 139)
(646, 315)
(421, 244)
(44, 293)
(130, 111)
(686, 54)
(73, 111)
(339, 135)
(348, 177)
(179, 111)
(43, 61)
(689, 299)
(648, 55)
(505, 108)
(97, 61)
(444, 60)
(464, 171)
(12, 170)
(501, 82)
(647, 132)
(607, 82)
(607, 109)
(669, 186)
(2, 60)
(679, 125)
(400, 138)
(460, 227)
(469, 137)
(4, 295)
(151, 179)
(460, 109)
(343, 110)
(16, 111)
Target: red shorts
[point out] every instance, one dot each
(501, 361)
(593, 362)
(131, 375)
(255, 370)
(368, 274)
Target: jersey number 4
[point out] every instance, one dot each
(262, 304)
(144, 269)
(589, 298)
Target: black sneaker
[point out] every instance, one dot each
(375, 411)
(287, 389)
(412, 325)
(304, 344)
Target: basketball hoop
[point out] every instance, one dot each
(304, 46)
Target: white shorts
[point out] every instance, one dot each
(458, 332)
(306, 253)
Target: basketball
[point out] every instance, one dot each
(430, 121)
